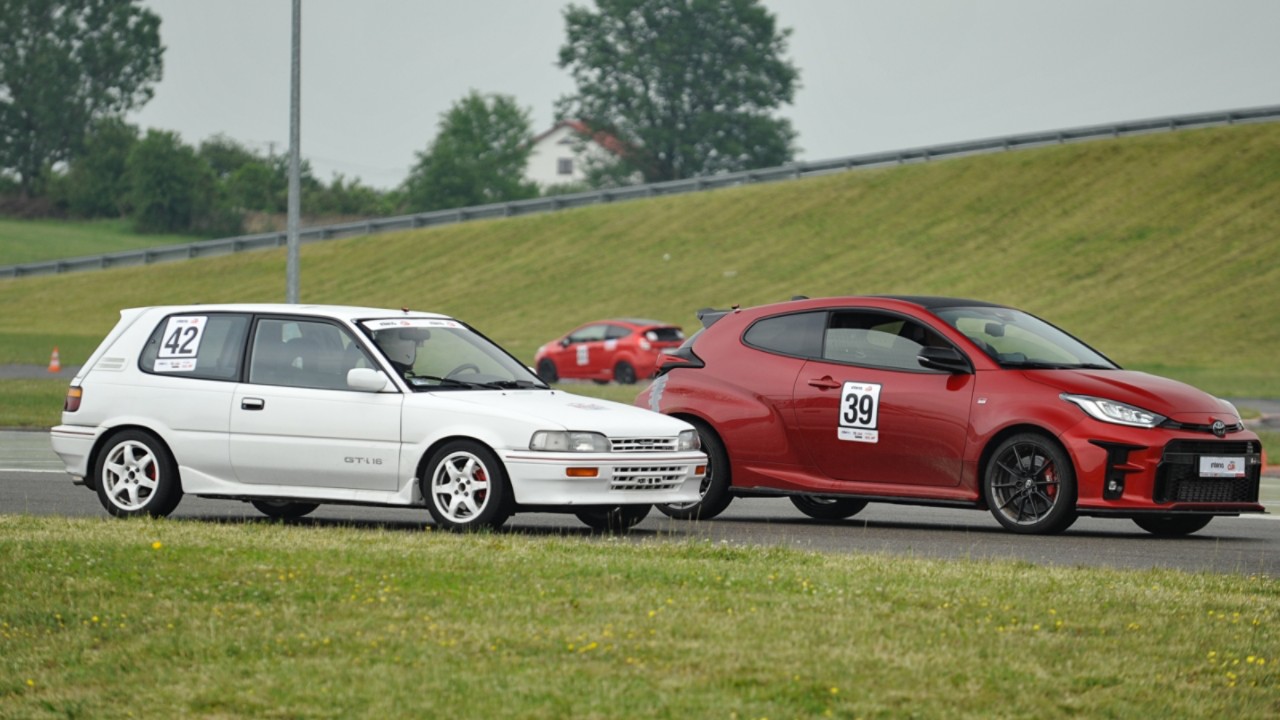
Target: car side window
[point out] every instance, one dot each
(616, 332)
(797, 334)
(206, 346)
(863, 337)
(590, 333)
(304, 353)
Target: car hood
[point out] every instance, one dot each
(1149, 392)
(555, 409)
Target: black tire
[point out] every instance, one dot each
(1172, 525)
(826, 507)
(715, 484)
(616, 519)
(283, 509)
(624, 373)
(136, 475)
(1030, 485)
(547, 371)
(466, 487)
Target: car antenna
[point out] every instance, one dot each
(799, 297)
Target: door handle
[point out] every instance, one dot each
(252, 404)
(824, 383)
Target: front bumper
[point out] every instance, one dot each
(1130, 471)
(620, 479)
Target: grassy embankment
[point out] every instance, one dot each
(186, 618)
(28, 241)
(1159, 250)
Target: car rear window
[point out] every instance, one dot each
(665, 334)
(208, 346)
(797, 334)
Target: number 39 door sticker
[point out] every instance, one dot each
(180, 343)
(860, 412)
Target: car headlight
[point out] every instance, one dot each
(689, 440)
(1115, 412)
(569, 441)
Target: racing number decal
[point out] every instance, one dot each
(180, 344)
(860, 412)
(582, 354)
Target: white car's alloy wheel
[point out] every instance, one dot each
(130, 475)
(135, 475)
(460, 487)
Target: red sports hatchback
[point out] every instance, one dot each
(838, 402)
(622, 350)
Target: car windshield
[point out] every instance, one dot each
(1018, 340)
(440, 354)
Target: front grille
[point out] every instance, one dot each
(647, 477)
(1178, 476)
(1192, 427)
(642, 445)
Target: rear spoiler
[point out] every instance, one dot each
(708, 316)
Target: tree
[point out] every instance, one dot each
(171, 189)
(688, 85)
(94, 184)
(65, 64)
(478, 156)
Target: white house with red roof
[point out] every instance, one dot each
(560, 156)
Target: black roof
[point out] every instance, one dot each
(934, 302)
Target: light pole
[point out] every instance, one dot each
(295, 186)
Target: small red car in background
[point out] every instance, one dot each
(842, 401)
(622, 350)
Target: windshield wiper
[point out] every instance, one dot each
(495, 385)
(518, 385)
(447, 380)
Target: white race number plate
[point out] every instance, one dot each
(860, 412)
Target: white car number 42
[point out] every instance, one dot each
(860, 412)
(180, 343)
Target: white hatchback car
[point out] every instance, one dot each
(291, 406)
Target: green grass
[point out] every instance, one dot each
(26, 241)
(31, 403)
(189, 618)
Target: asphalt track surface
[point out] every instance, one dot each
(32, 481)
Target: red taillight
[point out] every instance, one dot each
(72, 403)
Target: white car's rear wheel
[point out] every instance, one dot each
(283, 509)
(616, 519)
(136, 475)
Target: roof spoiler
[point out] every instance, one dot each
(708, 316)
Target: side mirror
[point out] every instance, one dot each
(367, 380)
(565, 342)
(947, 359)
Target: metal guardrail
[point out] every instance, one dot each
(225, 246)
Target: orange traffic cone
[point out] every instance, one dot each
(55, 364)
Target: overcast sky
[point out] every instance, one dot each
(875, 74)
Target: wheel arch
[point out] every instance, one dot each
(91, 480)
(1003, 434)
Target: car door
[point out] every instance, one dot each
(584, 354)
(867, 412)
(294, 422)
(193, 363)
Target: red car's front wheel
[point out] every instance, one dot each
(1030, 485)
